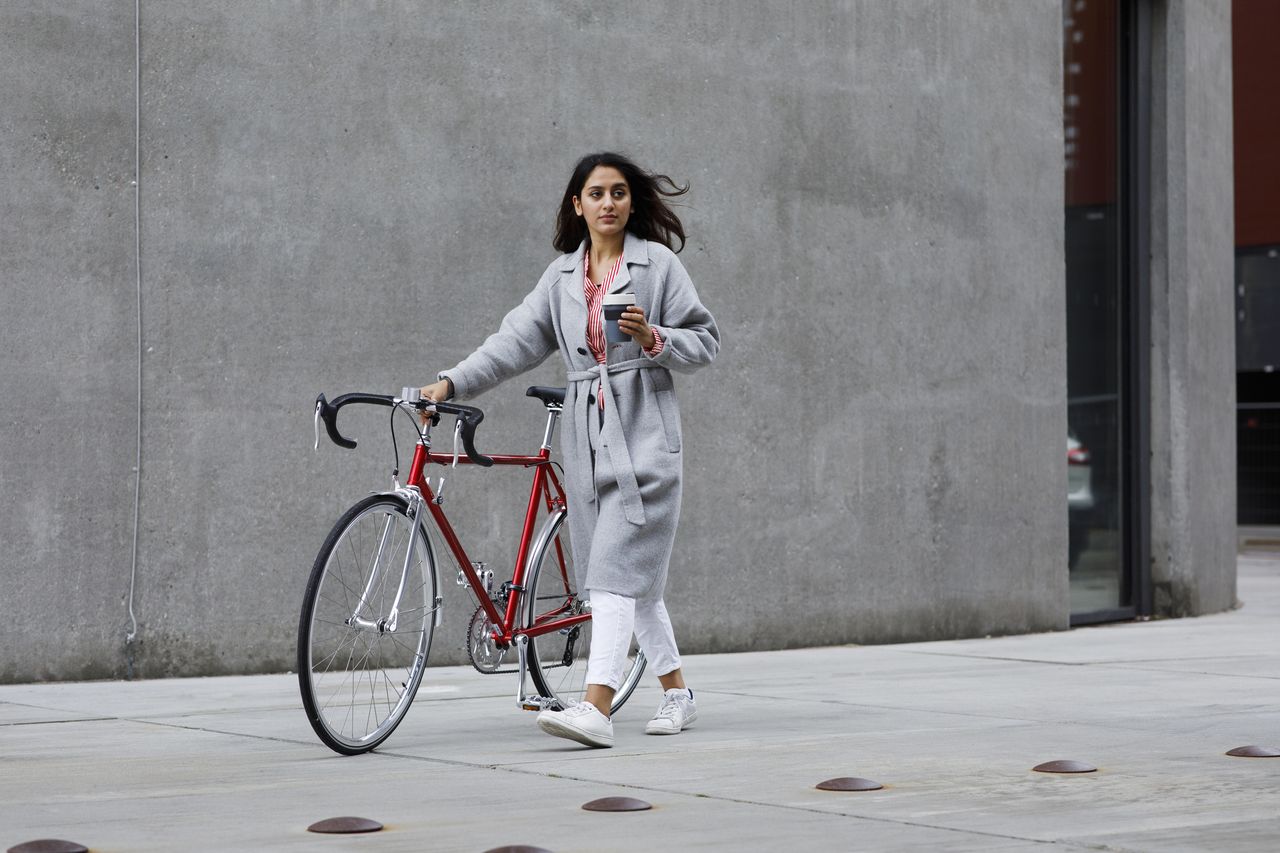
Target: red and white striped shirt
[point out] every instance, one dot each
(595, 305)
(594, 294)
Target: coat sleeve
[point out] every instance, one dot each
(523, 341)
(690, 336)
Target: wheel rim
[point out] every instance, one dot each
(552, 594)
(362, 674)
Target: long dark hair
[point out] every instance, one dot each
(651, 218)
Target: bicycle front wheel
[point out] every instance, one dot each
(366, 626)
(558, 660)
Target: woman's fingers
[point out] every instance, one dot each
(433, 392)
(632, 320)
(634, 324)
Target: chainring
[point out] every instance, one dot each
(482, 651)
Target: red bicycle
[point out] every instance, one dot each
(375, 597)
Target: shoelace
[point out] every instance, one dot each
(670, 708)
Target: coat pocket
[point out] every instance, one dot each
(658, 384)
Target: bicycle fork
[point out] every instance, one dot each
(392, 620)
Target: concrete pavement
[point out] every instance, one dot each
(952, 729)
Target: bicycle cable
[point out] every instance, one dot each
(409, 411)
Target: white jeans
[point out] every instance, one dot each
(613, 619)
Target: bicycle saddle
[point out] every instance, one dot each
(548, 396)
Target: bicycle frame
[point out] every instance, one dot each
(356, 676)
(545, 490)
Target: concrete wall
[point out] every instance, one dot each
(67, 337)
(1193, 428)
(341, 196)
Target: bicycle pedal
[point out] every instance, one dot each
(535, 703)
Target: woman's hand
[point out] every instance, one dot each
(435, 392)
(634, 324)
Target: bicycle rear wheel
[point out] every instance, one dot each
(558, 660)
(357, 670)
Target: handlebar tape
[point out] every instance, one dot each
(471, 418)
(468, 415)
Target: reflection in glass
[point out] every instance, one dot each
(1258, 384)
(1091, 106)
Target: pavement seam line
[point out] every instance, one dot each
(1195, 672)
(57, 722)
(1019, 721)
(1122, 664)
(456, 763)
(648, 789)
(874, 706)
(296, 742)
(739, 801)
(1002, 658)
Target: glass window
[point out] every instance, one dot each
(1095, 304)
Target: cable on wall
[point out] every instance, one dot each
(132, 633)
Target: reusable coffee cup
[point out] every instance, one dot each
(614, 305)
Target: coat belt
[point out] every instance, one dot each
(611, 430)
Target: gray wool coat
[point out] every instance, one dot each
(622, 478)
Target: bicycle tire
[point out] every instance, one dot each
(357, 676)
(558, 661)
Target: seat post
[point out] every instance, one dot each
(553, 415)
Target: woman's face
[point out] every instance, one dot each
(604, 203)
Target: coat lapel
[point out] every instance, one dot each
(571, 270)
(634, 251)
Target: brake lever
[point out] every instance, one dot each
(316, 448)
(457, 432)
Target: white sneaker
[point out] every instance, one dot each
(582, 722)
(676, 713)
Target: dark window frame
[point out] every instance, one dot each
(1134, 54)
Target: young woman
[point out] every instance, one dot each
(621, 425)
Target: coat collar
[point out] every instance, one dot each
(635, 250)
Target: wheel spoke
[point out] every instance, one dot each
(559, 671)
(357, 682)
